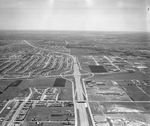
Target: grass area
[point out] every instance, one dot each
(65, 94)
(7, 109)
(145, 105)
(107, 93)
(37, 82)
(135, 93)
(95, 108)
(97, 69)
(22, 89)
(50, 113)
(44, 124)
(146, 89)
(139, 118)
(121, 107)
(138, 96)
(4, 84)
(16, 83)
(108, 98)
(13, 92)
(10, 93)
(122, 76)
(45, 82)
(59, 82)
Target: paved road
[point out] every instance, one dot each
(79, 91)
(95, 60)
(5, 106)
(83, 114)
(112, 63)
(19, 109)
(80, 104)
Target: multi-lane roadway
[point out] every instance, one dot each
(81, 103)
(80, 100)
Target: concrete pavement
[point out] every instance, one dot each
(80, 102)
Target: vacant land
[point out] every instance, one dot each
(97, 69)
(44, 124)
(65, 94)
(20, 88)
(95, 108)
(45, 82)
(59, 82)
(115, 68)
(4, 84)
(122, 76)
(8, 108)
(121, 107)
(50, 113)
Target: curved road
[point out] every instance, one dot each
(80, 102)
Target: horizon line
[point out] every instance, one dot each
(21, 30)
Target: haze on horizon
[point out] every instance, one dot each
(78, 15)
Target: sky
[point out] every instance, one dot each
(80, 15)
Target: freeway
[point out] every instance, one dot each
(77, 76)
(83, 114)
(80, 102)
(81, 106)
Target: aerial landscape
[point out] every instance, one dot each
(74, 79)
(74, 63)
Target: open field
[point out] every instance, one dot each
(8, 108)
(145, 105)
(107, 93)
(22, 89)
(97, 69)
(95, 108)
(122, 76)
(65, 94)
(135, 93)
(59, 82)
(121, 107)
(54, 78)
(44, 124)
(50, 113)
(4, 84)
(13, 92)
(131, 119)
(44, 82)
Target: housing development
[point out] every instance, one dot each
(75, 79)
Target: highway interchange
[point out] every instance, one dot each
(82, 110)
(80, 101)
